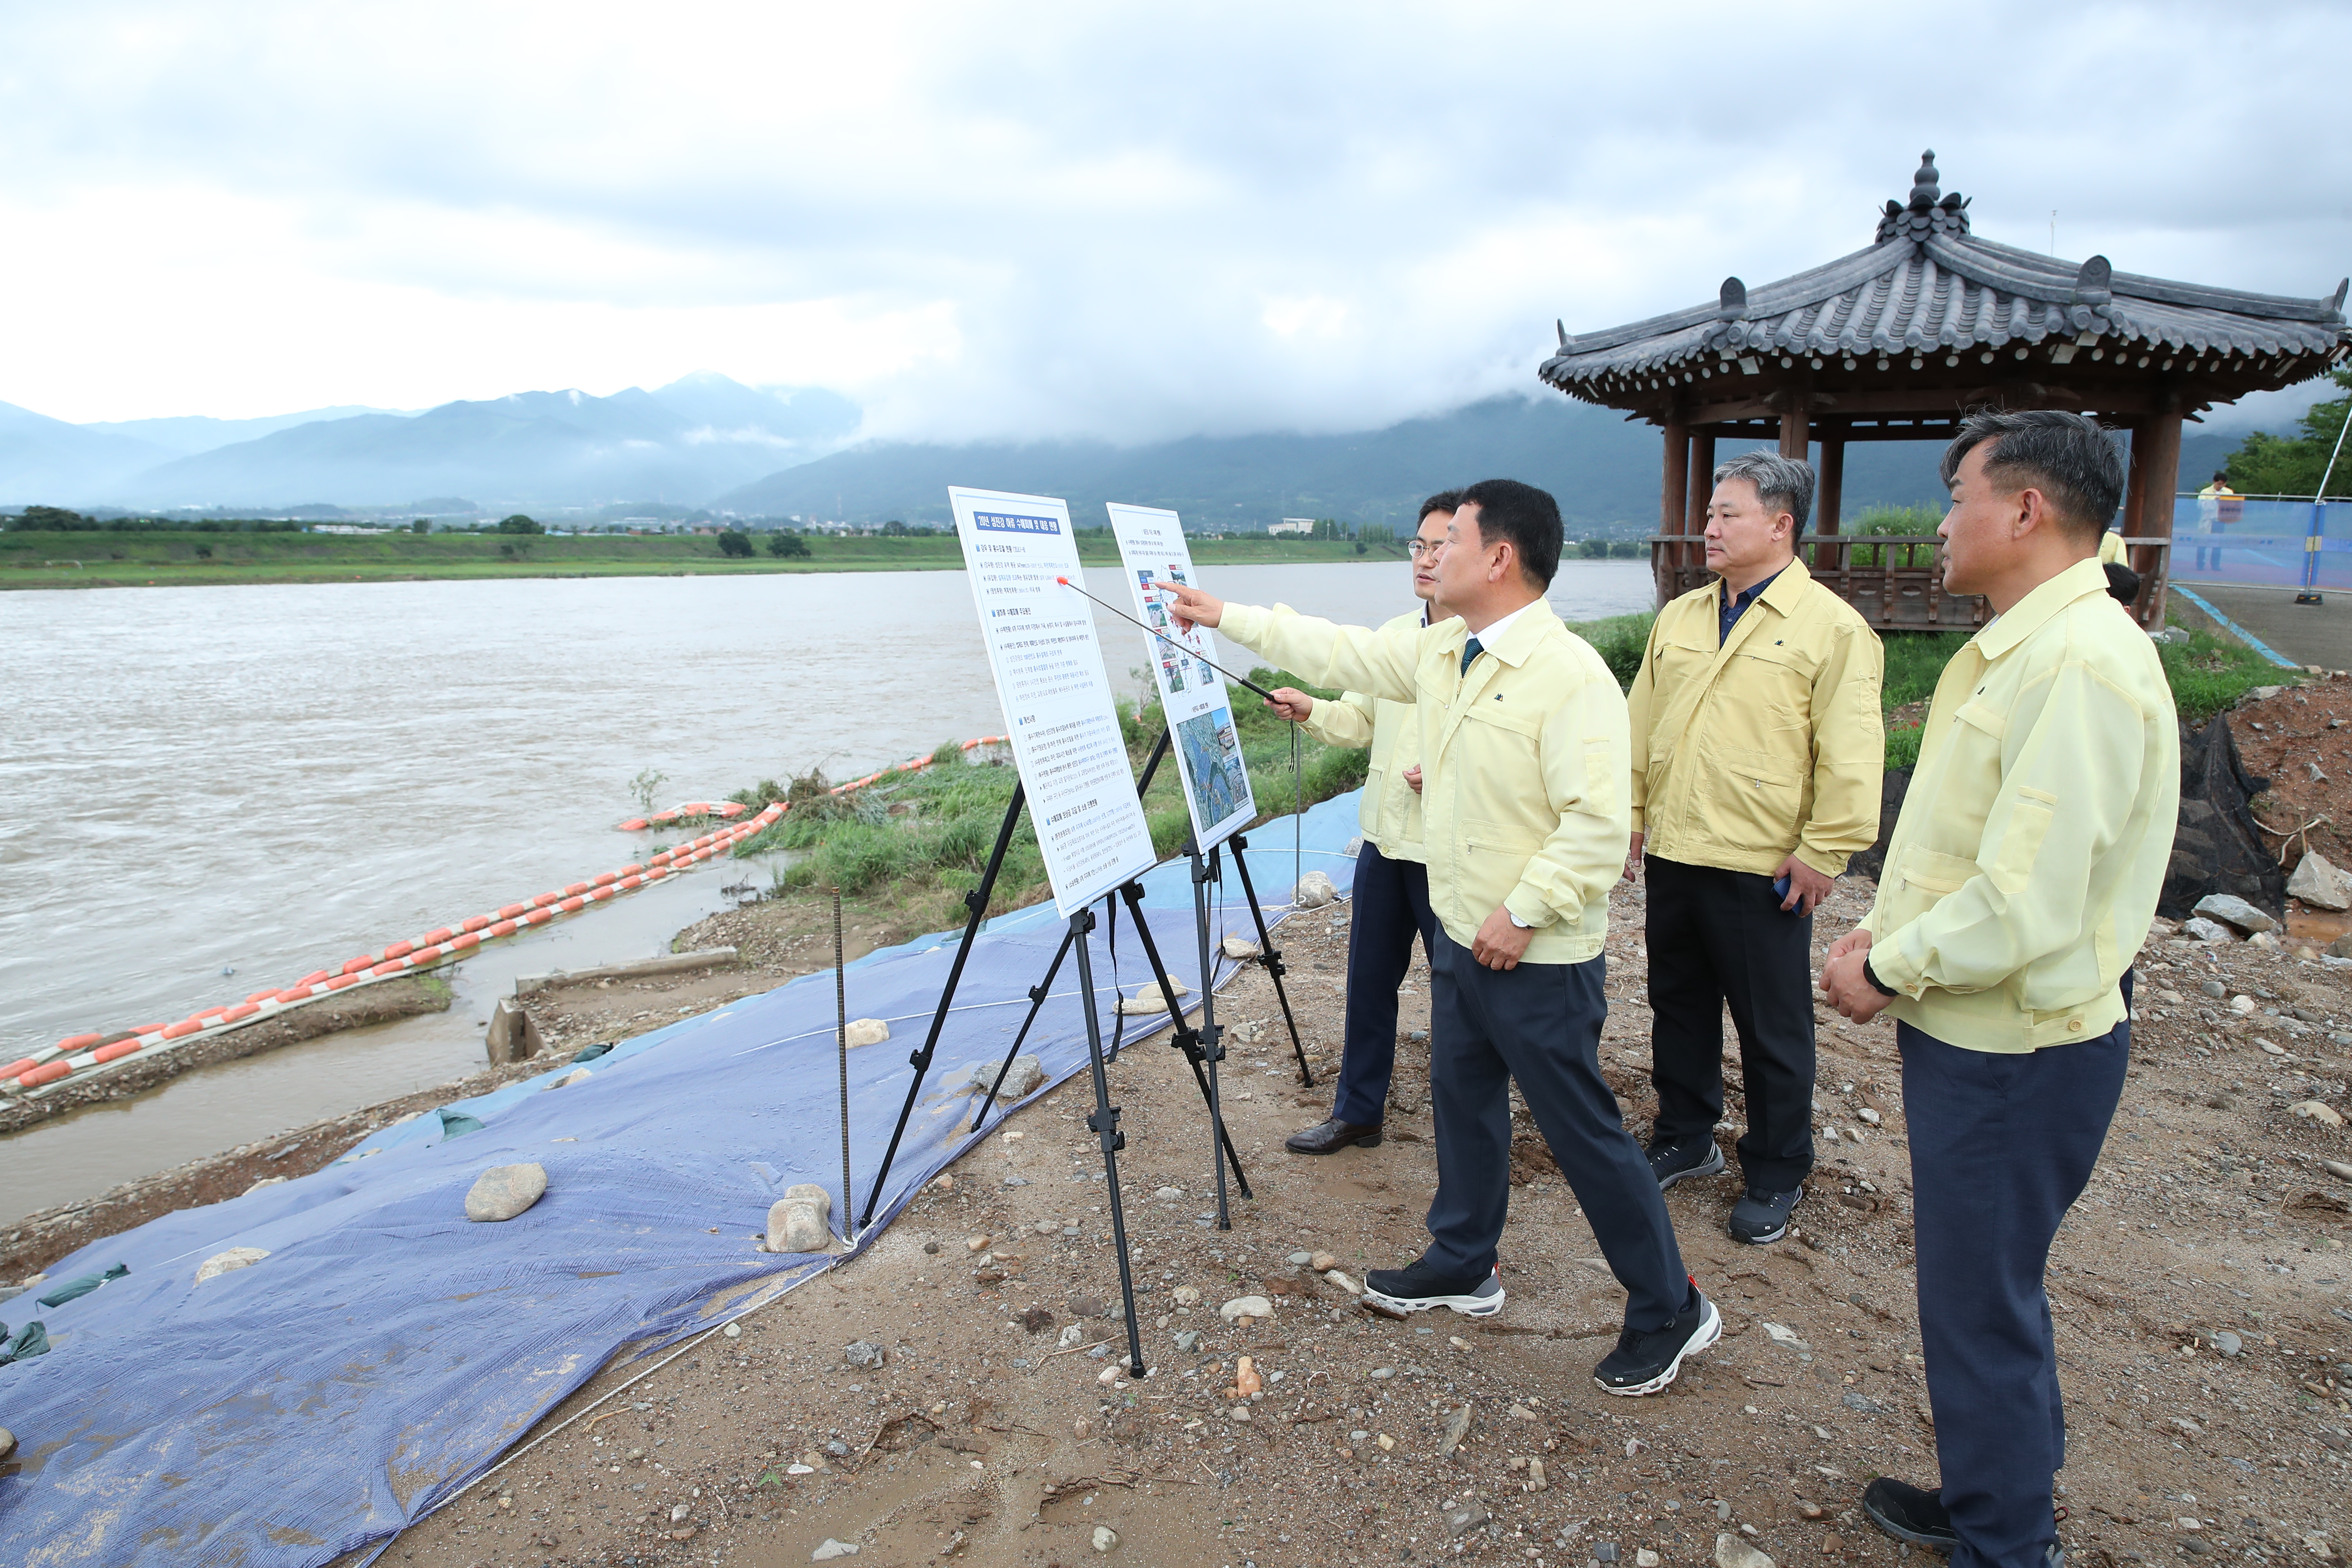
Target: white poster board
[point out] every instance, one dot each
(1191, 692)
(1040, 638)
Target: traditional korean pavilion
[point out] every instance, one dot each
(1898, 341)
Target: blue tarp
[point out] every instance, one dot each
(387, 1351)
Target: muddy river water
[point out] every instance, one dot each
(209, 790)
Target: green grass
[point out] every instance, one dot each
(169, 557)
(2209, 673)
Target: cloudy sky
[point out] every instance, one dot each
(1082, 220)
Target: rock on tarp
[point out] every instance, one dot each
(389, 1350)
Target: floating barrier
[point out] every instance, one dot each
(84, 1052)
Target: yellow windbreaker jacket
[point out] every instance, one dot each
(1770, 742)
(1389, 812)
(2023, 872)
(1524, 760)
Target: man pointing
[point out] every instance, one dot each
(1521, 732)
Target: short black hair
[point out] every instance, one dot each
(1523, 514)
(1444, 500)
(2066, 456)
(2123, 583)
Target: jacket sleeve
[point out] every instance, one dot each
(1583, 751)
(1849, 753)
(1345, 722)
(1638, 717)
(2072, 756)
(1378, 663)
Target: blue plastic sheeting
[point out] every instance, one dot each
(387, 1351)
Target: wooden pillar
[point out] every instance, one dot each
(1796, 431)
(1672, 497)
(1702, 482)
(2135, 480)
(2160, 476)
(1827, 496)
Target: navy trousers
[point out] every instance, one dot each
(1391, 907)
(2001, 1147)
(1717, 936)
(1539, 1024)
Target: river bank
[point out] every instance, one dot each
(178, 557)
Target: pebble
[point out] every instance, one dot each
(1300, 1259)
(1189, 1341)
(1245, 1307)
(862, 1353)
(1340, 1278)
(865, 1032)
(1314, 891)
(2214, 989)
(1645, 1558)
(1168, 1194)
(1460, 1521)
(2318, 1111)
(2337, 1169)
(734, 1331)
(2228, 1343)
(833, 1548)
(577, 1075)
(1105, 1538)
(1604, 1552)
(1782, 1334)
(1868, 1406)
(503, 1192)
(2203, 929)
(1186, 1295)
(2232, 910)
(1239, 1413)
(1457, 1427)
(7, 1442)
(1730, 1552)
(1323, 1263)
(1073, 1336)
(1240, 947)
(220, 1263)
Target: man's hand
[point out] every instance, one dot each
(1633, 857)
(1806, 886)
(1192, 607)
(1413, 777)
(1843, 982)
(1291, 703)
(1501, 942)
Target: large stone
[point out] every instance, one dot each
(2203, 929)
(1730, 1552)
(2233, 910)
(801, 1221)
(221, 1263)
(2319, 884)
(1245, 1307)
(503, 1192)
(2318, 1111)
(1314, 891)
(1150, 999)
(512, 1035)
(1022, 1077)
(866, 1032)
(1239, 947)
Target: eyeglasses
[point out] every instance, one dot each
(1417, 548)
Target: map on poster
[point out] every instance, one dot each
(1192, 693)
(1057, 701)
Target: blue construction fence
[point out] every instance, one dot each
(2263, 542)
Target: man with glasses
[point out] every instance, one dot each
(1392, 893)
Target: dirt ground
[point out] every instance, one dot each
(981, 1437)
(2301, 740)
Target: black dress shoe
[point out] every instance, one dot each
(1330, 1137)
(1909, 1514)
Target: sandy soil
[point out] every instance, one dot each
(981, 1437)
(2301, 740)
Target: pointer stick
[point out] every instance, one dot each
(1163, 637)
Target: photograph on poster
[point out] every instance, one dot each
(1058, 702)
(1192, 693)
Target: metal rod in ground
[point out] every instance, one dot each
(1187, 1039)
(1104, 1124)
(841, 1039)
(976, 903)
(1271, 956)
(1211, 1051)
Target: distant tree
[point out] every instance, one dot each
(53, 519)
(787, 546)
(2267, 465)
(894, 529)
(1376, 533)
(422, 525)
(519, 523)
(734, 541)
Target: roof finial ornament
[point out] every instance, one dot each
(1731, 304)
(1926, 184)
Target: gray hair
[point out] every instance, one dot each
(1782, 484)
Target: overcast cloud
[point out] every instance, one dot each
(1029, 221)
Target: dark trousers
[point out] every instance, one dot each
(2000, 1146)
(1717, 936)
(1539, 1024)
(1390, 905)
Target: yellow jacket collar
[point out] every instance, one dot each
(2030, 614)
(1787, 587)
(1519, 639)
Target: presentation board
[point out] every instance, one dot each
(1151, 548)
(1040, 638)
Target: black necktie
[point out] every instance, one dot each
(1471, 650)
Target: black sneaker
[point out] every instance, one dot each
(1416, 1288)
(1908, 1514)
(1759, 1216)
(1645, 1363)
(1671, 1162)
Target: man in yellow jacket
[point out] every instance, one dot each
(2021, 880)
(1389, 904)
(1520, 732)
(1758, 746)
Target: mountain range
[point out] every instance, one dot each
(707, 441)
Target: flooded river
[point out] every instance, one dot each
(209, 790)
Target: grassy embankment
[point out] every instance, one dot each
(173, 557)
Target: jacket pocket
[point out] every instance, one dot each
(1935, 873)
(1499, 838)
(1751, 800)
(2013, 863)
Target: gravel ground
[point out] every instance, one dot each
(983, 1437)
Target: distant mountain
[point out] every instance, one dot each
(1604, 471)
(685, 441)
